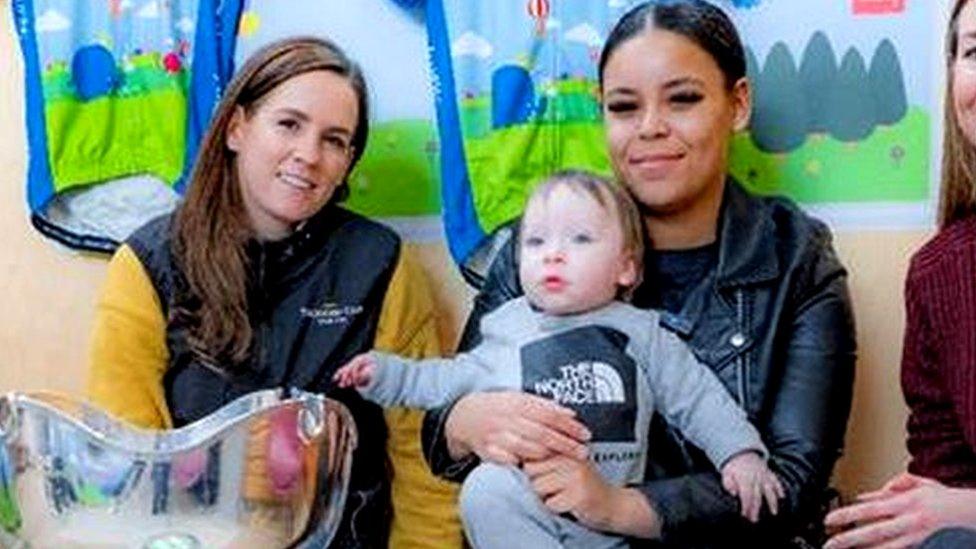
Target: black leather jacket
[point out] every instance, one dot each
(774, 322)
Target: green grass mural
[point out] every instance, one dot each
(124, 132)
(123, 129)
(399, 173)
(890, 165)
(505, 165)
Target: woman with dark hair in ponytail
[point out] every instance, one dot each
(261, 279)
(751, 284)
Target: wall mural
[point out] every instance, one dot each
(118, 93)
(847, 134)
(474, 101)
(837, 118)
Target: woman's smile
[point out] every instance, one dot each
(655, 165)
(296, 181)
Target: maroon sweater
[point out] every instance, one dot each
(938, 373)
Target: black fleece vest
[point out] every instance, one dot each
(314, 301)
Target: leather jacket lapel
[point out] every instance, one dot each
(747, 242)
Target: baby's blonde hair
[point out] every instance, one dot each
(613, 198)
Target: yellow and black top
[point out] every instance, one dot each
(339, 286)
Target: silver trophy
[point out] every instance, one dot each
(267, 470)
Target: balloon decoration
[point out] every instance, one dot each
(539, 10)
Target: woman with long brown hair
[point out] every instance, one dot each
(260, 279)
(939, 356)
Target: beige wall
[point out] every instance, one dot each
(47, 297)
(46, 293)
(875, 440)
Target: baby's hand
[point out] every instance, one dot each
(358, 372)
(747, 476)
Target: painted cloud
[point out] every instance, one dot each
(471, 44)
(150, 10)
(585, 34)
(52, 21)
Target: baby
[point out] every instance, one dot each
(573, 339)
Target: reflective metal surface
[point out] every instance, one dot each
(264, 471)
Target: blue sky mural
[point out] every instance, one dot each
(401, 65)
(122, 25)
(794, 22)
(390, 45)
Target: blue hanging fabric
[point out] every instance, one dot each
(118, 95)
(515, 88)
(461, 225)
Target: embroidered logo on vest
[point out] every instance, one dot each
(331, 313)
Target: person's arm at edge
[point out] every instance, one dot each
(955, 364)
(127, 354)
(912, 505)
(935, 347)
(425, 511)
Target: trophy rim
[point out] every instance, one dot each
(134, 439)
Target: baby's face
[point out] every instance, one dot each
(572, 255)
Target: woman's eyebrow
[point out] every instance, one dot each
(682, 81)
(621, 90)
(673, 83)
(304, 117)
(296, 113)
(967, 37)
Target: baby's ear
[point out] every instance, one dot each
(627, 276)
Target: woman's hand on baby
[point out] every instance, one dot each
(748, 477)
(358, 372)
(569, 485)
(511, 428)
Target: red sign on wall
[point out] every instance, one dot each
(878, 7)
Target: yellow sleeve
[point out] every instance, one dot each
(128, 354)
(424, 507)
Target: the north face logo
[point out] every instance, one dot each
(586, 369)
(584, 383)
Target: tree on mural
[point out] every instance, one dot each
(818, 70)
(779, 120)
(887, 84)
(752, 65)
(850, 111)
(512, 96)
(752, 73)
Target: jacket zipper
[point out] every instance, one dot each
(742, 368)
(260, 329)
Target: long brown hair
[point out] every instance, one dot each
(957, 199)
(211, 228)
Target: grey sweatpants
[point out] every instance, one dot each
(500, 509)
